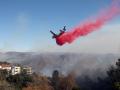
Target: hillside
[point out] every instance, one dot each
(45, 63)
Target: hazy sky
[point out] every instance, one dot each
(25, 25)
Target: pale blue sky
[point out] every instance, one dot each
(25, 24)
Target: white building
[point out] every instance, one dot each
(16, 70)
(5, 67)
(27, 69)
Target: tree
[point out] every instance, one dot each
(55, 80)
(19, 80)
(39, 83)
(68, 83)
(3, 74)
(114, 75)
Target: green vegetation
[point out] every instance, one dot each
(60, 82)
(114, 75)
(19, 80)
(36, 82)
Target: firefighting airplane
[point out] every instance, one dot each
(56, 36)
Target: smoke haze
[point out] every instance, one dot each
(46, 63)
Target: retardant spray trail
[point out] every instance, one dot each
(89, 26)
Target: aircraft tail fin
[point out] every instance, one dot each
(64, 28)
(54, 35)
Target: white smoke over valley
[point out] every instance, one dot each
(46, 63)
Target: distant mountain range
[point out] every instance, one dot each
(79, 63)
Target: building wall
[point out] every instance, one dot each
(5, 67)
(28, 70)
(16, 70)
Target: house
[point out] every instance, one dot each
(5, 66)
(27, 70)
(16, 70)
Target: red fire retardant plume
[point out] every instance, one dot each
(88, 27)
